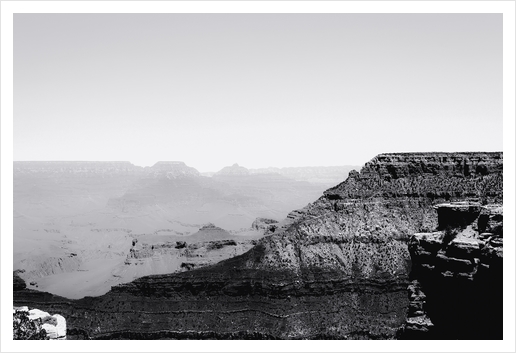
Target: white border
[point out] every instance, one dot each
(257, 6)
(8, 8)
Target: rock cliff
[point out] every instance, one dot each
(339, 268)
(457, 286)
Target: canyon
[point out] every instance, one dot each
(77, 224)
(402, 249)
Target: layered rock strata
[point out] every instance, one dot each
(180, 255)
(338, 269)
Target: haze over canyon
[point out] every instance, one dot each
(79, 225)
(403, 249)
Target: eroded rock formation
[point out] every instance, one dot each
(457, 274)
(266, 225)
(339, 268)
(179, 256)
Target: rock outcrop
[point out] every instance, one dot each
(267, 225)
(44, 325)
(40, 266)
(340, 269)
(458, 275)
(180, 255)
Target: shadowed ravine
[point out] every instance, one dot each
(340, 268)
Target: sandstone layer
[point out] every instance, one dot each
(339, 268)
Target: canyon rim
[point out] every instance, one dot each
(258, 178)
(405, 248)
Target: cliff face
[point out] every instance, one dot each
(457, 286)
(427, 175)
(339, 268)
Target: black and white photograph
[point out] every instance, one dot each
(274, 174)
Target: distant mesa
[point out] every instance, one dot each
(210, 227)
(209, 232)
(173, 169)
(75, 168)
(327, 176)
(323, 176)
(235, 169)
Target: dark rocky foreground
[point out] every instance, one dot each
(457, 275)
(351, 265)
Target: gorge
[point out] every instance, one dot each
(77, 223)
(391, 252)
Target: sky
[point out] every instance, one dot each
(260, 90)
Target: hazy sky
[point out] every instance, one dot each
(258, 89)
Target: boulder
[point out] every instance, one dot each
(54, 325)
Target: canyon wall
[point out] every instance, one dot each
(457, 276)
(338, 268)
